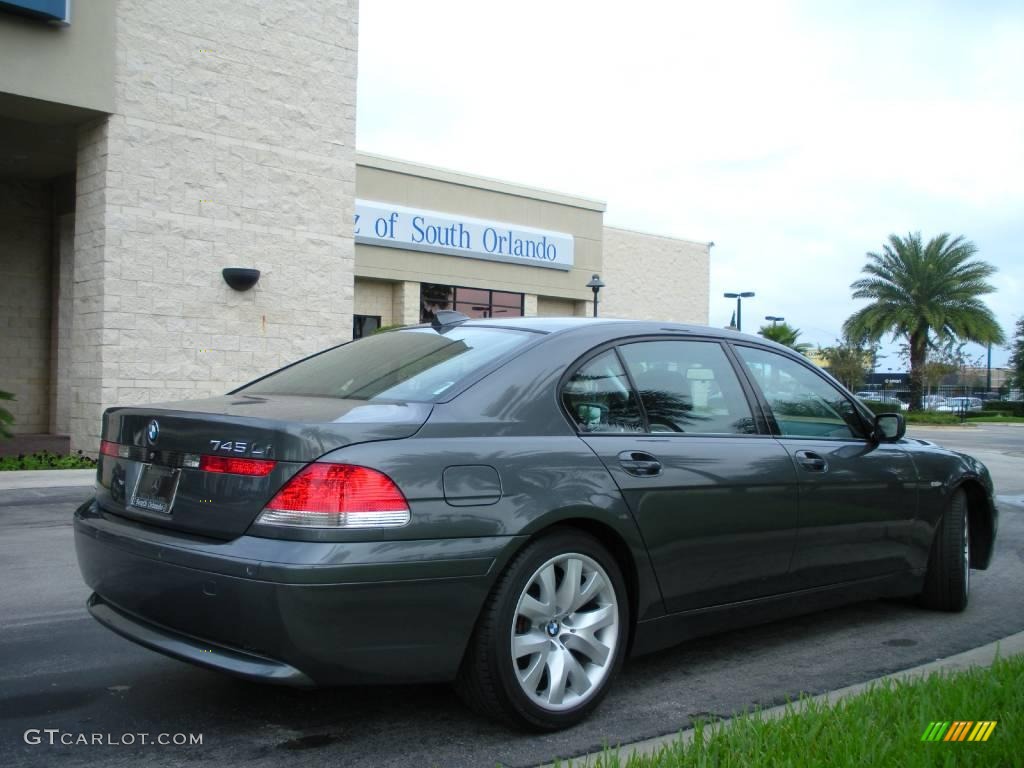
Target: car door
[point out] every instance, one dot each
(858, 498)
(714, 497)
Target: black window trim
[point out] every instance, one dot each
(802, 361)
(750, 394)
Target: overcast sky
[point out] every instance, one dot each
(795, 135)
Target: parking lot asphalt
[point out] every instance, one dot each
(61, 670)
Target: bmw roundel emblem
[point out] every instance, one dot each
(153, 431)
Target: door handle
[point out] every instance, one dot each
(811, 461)
(640, 463)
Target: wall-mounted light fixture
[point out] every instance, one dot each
(241, 278)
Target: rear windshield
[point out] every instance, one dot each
(417, 364)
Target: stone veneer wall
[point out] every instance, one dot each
(375, 297)
(231, 145)
(25, 302)
(672, 286)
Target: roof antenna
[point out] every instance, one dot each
(446, 319)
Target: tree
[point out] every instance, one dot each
(785, 334)
(942, 363)
(926, 294)
(849, 361)
(1017, 355)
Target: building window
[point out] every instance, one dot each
(473, 302)
(364, 325)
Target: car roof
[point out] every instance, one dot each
(617, 325)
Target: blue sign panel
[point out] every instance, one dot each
(47, 10)
(416, 229)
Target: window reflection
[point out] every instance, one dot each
(688, 386)
(599, 397)
(803, 403)
(472, 302)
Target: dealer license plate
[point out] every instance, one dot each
(156, 488)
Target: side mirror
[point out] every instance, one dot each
(889, 427)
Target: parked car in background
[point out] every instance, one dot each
(881, 397)
(961, 405)
(514, 506)
(932, 402)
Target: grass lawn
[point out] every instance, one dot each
(951, 419)
(883, 726)
(997, 420)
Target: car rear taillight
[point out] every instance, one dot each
(337, 496)
(108, 448)
(233, 466)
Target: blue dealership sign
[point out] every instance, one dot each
(47, 10)
(417, 229)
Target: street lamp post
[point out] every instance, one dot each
(739, 305)
(774, 319)
(595, 284)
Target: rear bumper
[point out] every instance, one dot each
(194, 650)
(295, 613)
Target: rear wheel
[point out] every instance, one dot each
(948, 580)
(551, 637)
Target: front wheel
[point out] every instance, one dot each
(551, 637)
(947, 583)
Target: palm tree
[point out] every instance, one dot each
(785, 334)
(926, 294)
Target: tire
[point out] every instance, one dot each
(947, 583)
(570, 642)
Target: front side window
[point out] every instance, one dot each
(413, 364)
(803, 403)
(599, 399)
(689, 387)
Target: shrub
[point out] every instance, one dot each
(875, 407)
(1010, 408)
(46, 460)
(931, 417)
(6, 417)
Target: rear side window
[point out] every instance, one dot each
(688, 387)
(415, 364)
(599, 398)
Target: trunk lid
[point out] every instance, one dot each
(154, 477)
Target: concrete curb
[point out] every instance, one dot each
(46, 478)
(982, 656)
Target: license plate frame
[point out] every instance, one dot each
(155, 489)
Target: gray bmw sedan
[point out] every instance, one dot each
(514, 506)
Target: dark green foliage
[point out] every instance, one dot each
(927, 294)
(46, 460)
(786, 335)
(1017, 355)
(1012, 409)
(6, 417)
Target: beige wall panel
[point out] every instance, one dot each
(375, 297)
(25, 265)
(62, 317)
(530, 305)
(649, 277)
(549, 306)
(65, 64)
(231, 144)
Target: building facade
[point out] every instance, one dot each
(145, 147)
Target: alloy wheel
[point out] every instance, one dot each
(565, 632)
